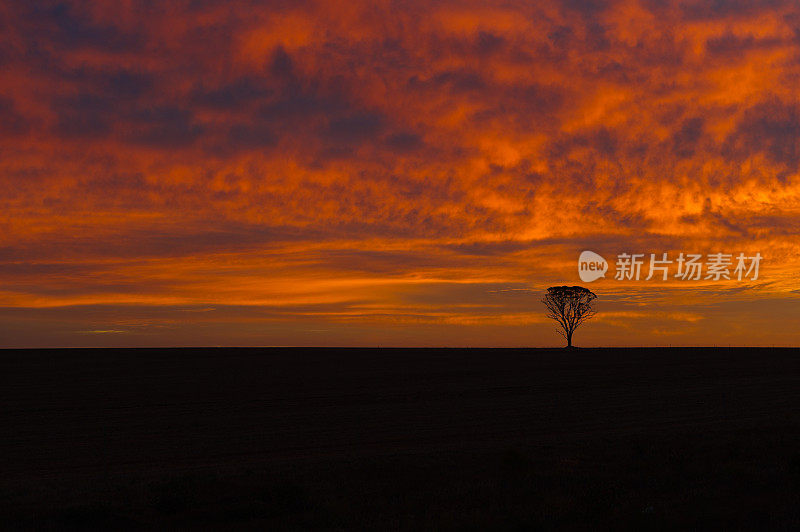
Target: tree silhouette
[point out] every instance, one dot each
(569, 306)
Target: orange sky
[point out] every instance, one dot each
(392, 173)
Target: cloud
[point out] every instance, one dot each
(74, 28)
(457, 141)
(772, 128)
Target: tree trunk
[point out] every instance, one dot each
(569, 338)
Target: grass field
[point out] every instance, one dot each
(401, 438)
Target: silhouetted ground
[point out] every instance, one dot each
(400, 438)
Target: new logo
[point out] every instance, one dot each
(591, 266)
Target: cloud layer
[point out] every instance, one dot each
(391, 172)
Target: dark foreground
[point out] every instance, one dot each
(400, 438)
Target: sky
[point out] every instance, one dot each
(409, 173)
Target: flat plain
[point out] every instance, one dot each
(356, 438)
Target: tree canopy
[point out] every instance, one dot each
(569, 306)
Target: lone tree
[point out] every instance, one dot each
(569, 306)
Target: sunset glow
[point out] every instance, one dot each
(393, 173)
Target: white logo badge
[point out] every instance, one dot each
(591, 266)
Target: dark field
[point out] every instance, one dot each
(401, 438)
